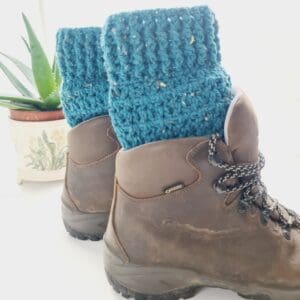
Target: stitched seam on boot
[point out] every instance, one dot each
(163, 195)
(105, 155)
(113, 231)
(66, 184)
(95, 161)
(71, 199)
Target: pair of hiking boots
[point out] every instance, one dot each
(183, 214)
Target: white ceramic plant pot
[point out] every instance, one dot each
(41, 148)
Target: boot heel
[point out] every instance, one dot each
(84, 226)
(149, 283)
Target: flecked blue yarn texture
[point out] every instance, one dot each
(84, 90)
(165, 75)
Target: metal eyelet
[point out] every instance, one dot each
(218, 188)
(212, 161)
(287, 233)
(242, 207)
(264, 218)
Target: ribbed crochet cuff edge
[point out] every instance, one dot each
(79, 54)
(159, 44)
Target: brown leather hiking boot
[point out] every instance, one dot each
(88, 189)
(193, 212)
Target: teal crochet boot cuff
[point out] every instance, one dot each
(165, 76)
(84, 90)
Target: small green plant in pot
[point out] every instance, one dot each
(37, 121)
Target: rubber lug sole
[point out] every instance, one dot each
(82, 236)
(163, 283)
(255, 297)
(84, 226)
(185, 293)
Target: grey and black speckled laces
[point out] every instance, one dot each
(245, 177)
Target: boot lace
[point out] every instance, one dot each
(246, 178)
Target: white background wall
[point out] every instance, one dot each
(261, 50)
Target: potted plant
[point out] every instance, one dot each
(37, 121)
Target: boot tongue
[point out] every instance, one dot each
(241, 129)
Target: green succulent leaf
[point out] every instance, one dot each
(26, 44)
(11, 105)
(53, 100)
(27, 72)
(15, 81)
(24, 100)
(44, 78)
(55, 71)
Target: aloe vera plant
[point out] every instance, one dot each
(44, 79)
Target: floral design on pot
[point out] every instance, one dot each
(41, 146)
(47, 154)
